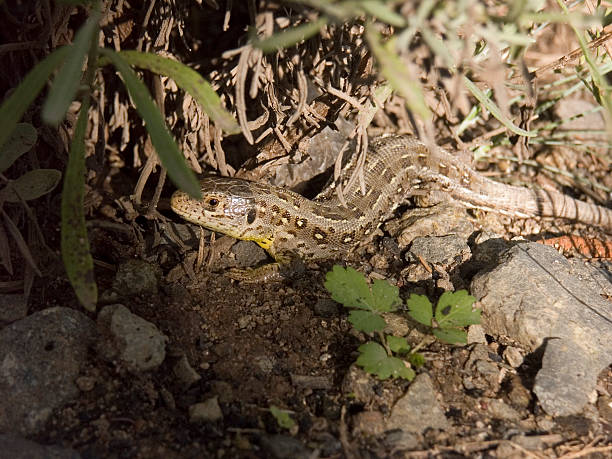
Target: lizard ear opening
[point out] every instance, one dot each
(251, 216)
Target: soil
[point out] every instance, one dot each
(276, 344)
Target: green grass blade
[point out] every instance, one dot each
(190, 81)
(15, 106)
(68, 79)
(397, 74)
(164, 144)
(381, 11)
(291, 36)
(75, 244)
(494, 109)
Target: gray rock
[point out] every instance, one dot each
(185, 373)
(40, 358)
(12, 307)
(476, 334)
(398, 440)
(248, 254)
(533, 297)
(439, 220)
(441, 250)
(136, 277)
(513, 356)
(369, 423)
(419, 409)
(15, 447)
(207, 411)
(499, 410)
(284, 447)
(131, 339)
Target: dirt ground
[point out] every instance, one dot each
(284, 344)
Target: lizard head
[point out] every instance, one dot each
(228, 206)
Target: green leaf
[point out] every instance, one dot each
(14, 107)
(66, 83)
(31, 185)
(386, 296)
(366, 321)
(75, 244)
(493, 109)
(417, 360)
(190, 81)
(451, 335)
(374, 359)
(164, 144)
(395, 71)
(290, 37)
(398, 344)
(21, 140)
(455, 309)
(283, 419)
(420, 309)
(348, 287)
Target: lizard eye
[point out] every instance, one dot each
(212, 202)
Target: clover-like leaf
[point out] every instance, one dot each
(386, 296)
(349, 287)
(398, 344)
(374, 359)
(420, 309)
(451, 335)
(366, 321)
(455, 309)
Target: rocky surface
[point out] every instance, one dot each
(533, 296)
(40, 359)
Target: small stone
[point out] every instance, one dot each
(513, 356)
(207, 411)
(285, 447)
(419, 409)
(518, 395)
(85, 383)
(359, 385)
(223, 391)
(368, 423)
(500, 410)
(604, 406)
(185, 372)
(136, 342)
(442, 250)
(398, 440)
(247, 254)
(136, 277)
(397, 325)
(244, 322)
(546, 423)
(476, 334)
(265, 363)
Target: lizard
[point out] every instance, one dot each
(289, 226)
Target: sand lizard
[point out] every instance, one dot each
(288, 225)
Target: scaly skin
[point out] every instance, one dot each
(288, 225)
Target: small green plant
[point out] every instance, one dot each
(392, 356)
(283, 419)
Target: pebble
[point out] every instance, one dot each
(126, 337)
